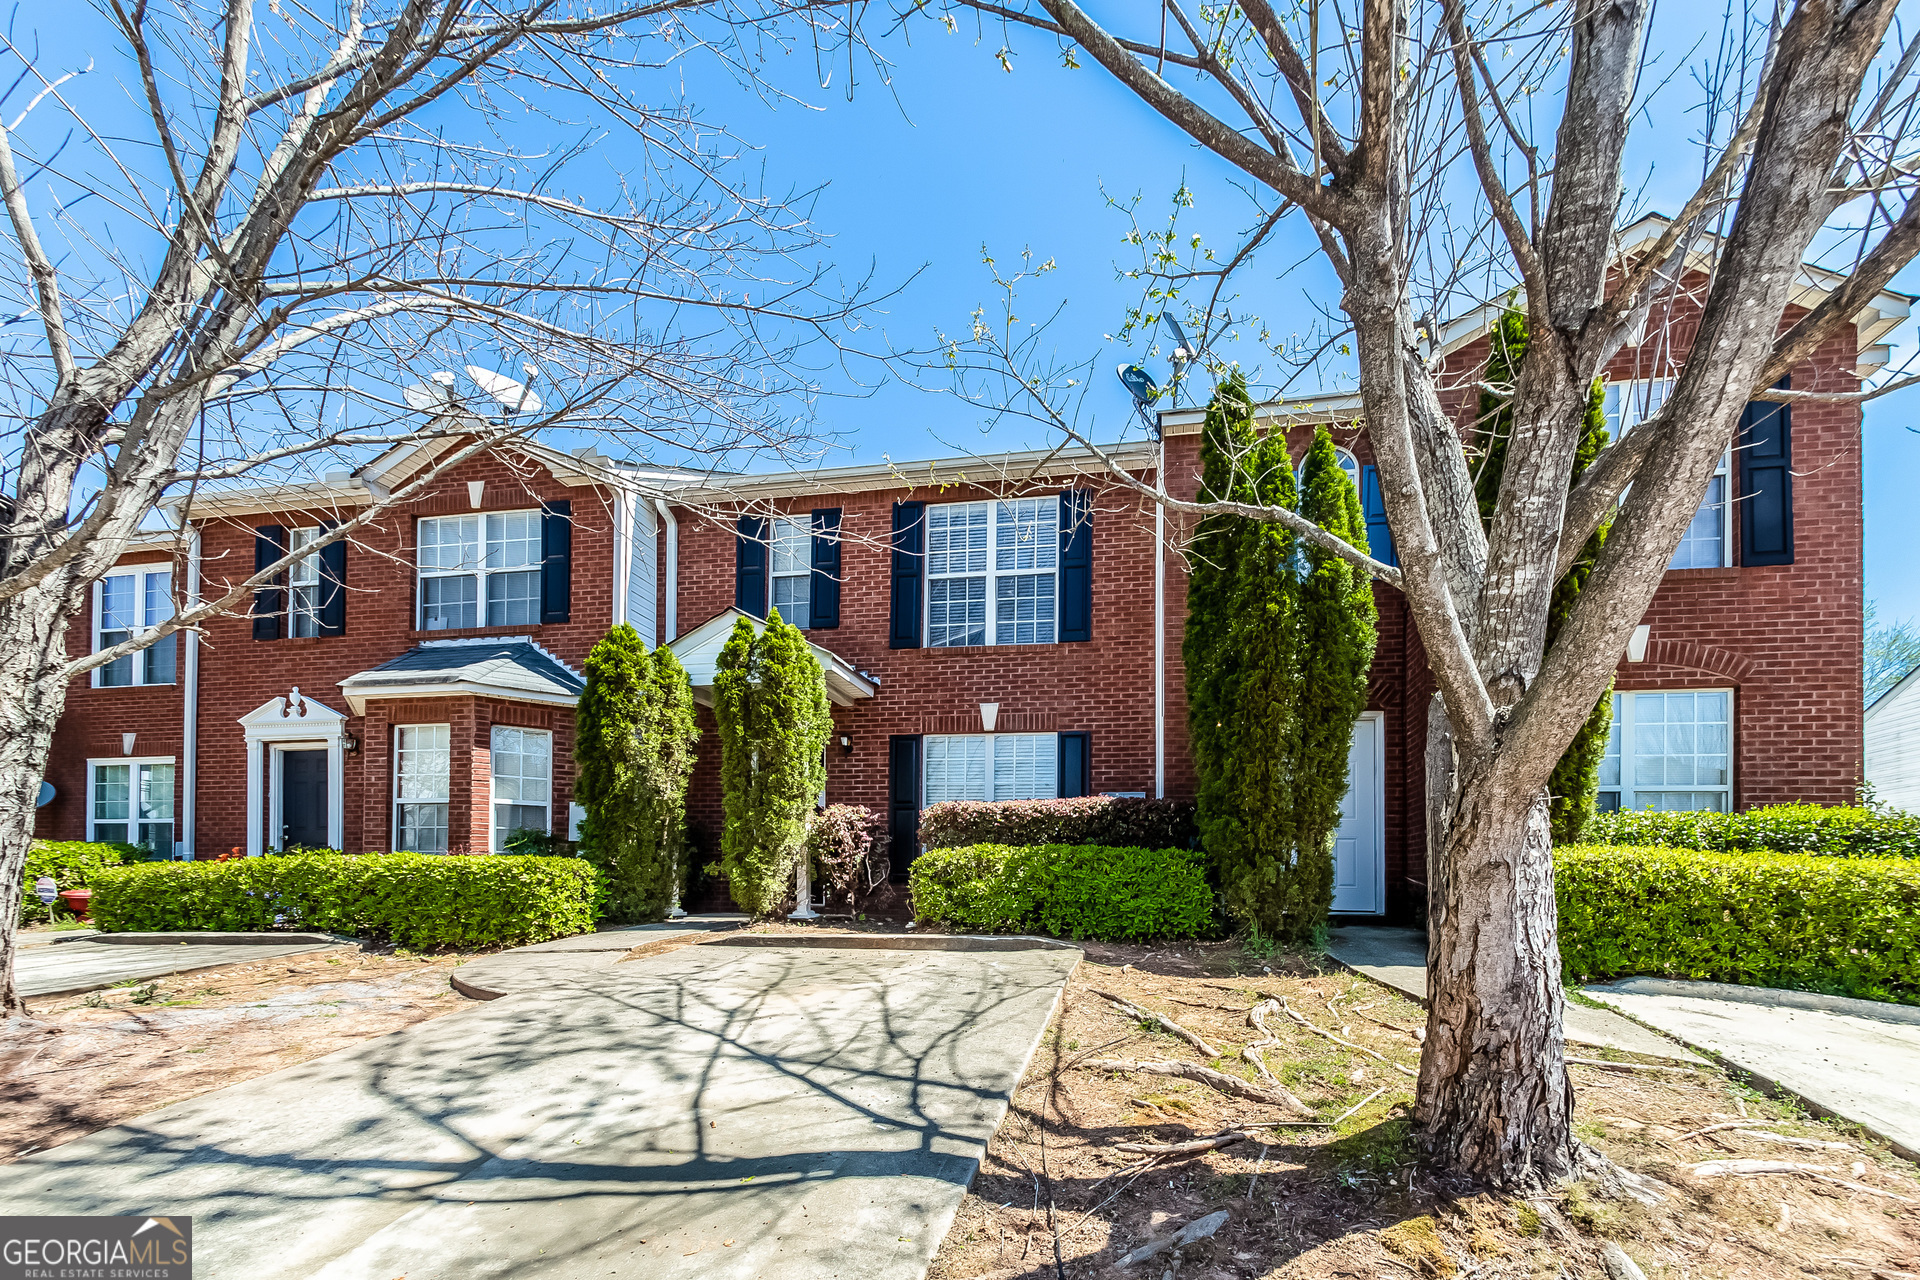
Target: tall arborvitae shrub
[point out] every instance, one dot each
(770, 699)
(1574, 783)
(666, 769)
(609, 753)
(1336, 635)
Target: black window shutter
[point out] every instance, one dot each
(903, 802)
(909, 546)
(1076, 565)
(269, 601)
(1374, 507)
(333, 587)
(556, 562)
(1076, 772)
(823, 604)
(1765, 450)
(750, 566)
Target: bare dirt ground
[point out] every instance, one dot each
(1349, 1200)
(133, 1049)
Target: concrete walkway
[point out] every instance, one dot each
(565, 960)
(1398, 958)
(108, 959)
(1856, 1059)
(801, 1111)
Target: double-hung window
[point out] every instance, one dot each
(1706, 543)
(991, 766)
(793, 571)
(1669, 751)
(992, 560)
(522, 782)
(421, 787)
(303, 585)
(127, 605)
(480, 567)
(131, 802)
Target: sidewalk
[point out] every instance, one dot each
(1397, 958)
(564, 960)
(105, 960)
(1855, 1059)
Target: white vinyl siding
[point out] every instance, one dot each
(793, 571)
(421, 787)
(991, 766)
(1893, 745)
(642, 609)
(1669, 750)
(1708, 542)
(522, 782)
(131, 802)
(480, 567)
(992, 572)
(127, 605)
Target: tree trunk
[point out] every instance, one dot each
(33, 691)
(1494, 1100)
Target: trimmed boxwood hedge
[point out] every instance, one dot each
(1074, 891)
(1838, 831)
(1844, 926)
(419, 901)
(1121, 821)
(71, 863)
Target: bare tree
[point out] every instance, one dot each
(260, 248)
(1378, 123)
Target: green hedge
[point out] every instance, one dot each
(419, 901)
(1841, 830)
(71, 863)
(1845, 926)
(1125, 822)
(1074, 891)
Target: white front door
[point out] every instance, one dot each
(1359, 845)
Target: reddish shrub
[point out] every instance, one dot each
(1112, 821)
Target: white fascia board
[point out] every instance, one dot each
(358, 697)
(1334, 410)
(985, 470)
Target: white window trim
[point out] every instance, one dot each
(804, 525)
(138, 573)
(394, 802)
(493, 833)
(1622, 727)
(992, 573)
(309, 564)
(479, 574)
(990, 739)
(133, 791)
(1724, 469)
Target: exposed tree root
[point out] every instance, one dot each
(1147, 1015)
(1271, 1095)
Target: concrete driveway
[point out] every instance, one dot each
(717, 1111)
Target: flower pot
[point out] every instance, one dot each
(77, 901)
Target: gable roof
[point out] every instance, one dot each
(699, 652)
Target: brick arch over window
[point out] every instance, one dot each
(1701, 657)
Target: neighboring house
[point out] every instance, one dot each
(990, 629)
(1893, 744)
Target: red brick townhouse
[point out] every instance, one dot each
(990, 629)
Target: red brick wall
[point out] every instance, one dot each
(238, 673)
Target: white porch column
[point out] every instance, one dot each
(256, 774)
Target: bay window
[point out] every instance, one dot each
(131, 802)
(125, 606)
(1669, 751)
(522, 782)
(421, 787)
(999, 558)
(467, 560)
(991, 766)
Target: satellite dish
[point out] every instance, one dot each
(1138, 381)
(1184, 350)
(46, 796)
(514, 397)
(425, 396)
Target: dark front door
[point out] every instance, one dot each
(303, 799)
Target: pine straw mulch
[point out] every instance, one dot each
(141, 1046)
(1351, 1201)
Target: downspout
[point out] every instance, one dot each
(190, 701)
(670, 625)
(1160, 630)
(622, 556)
